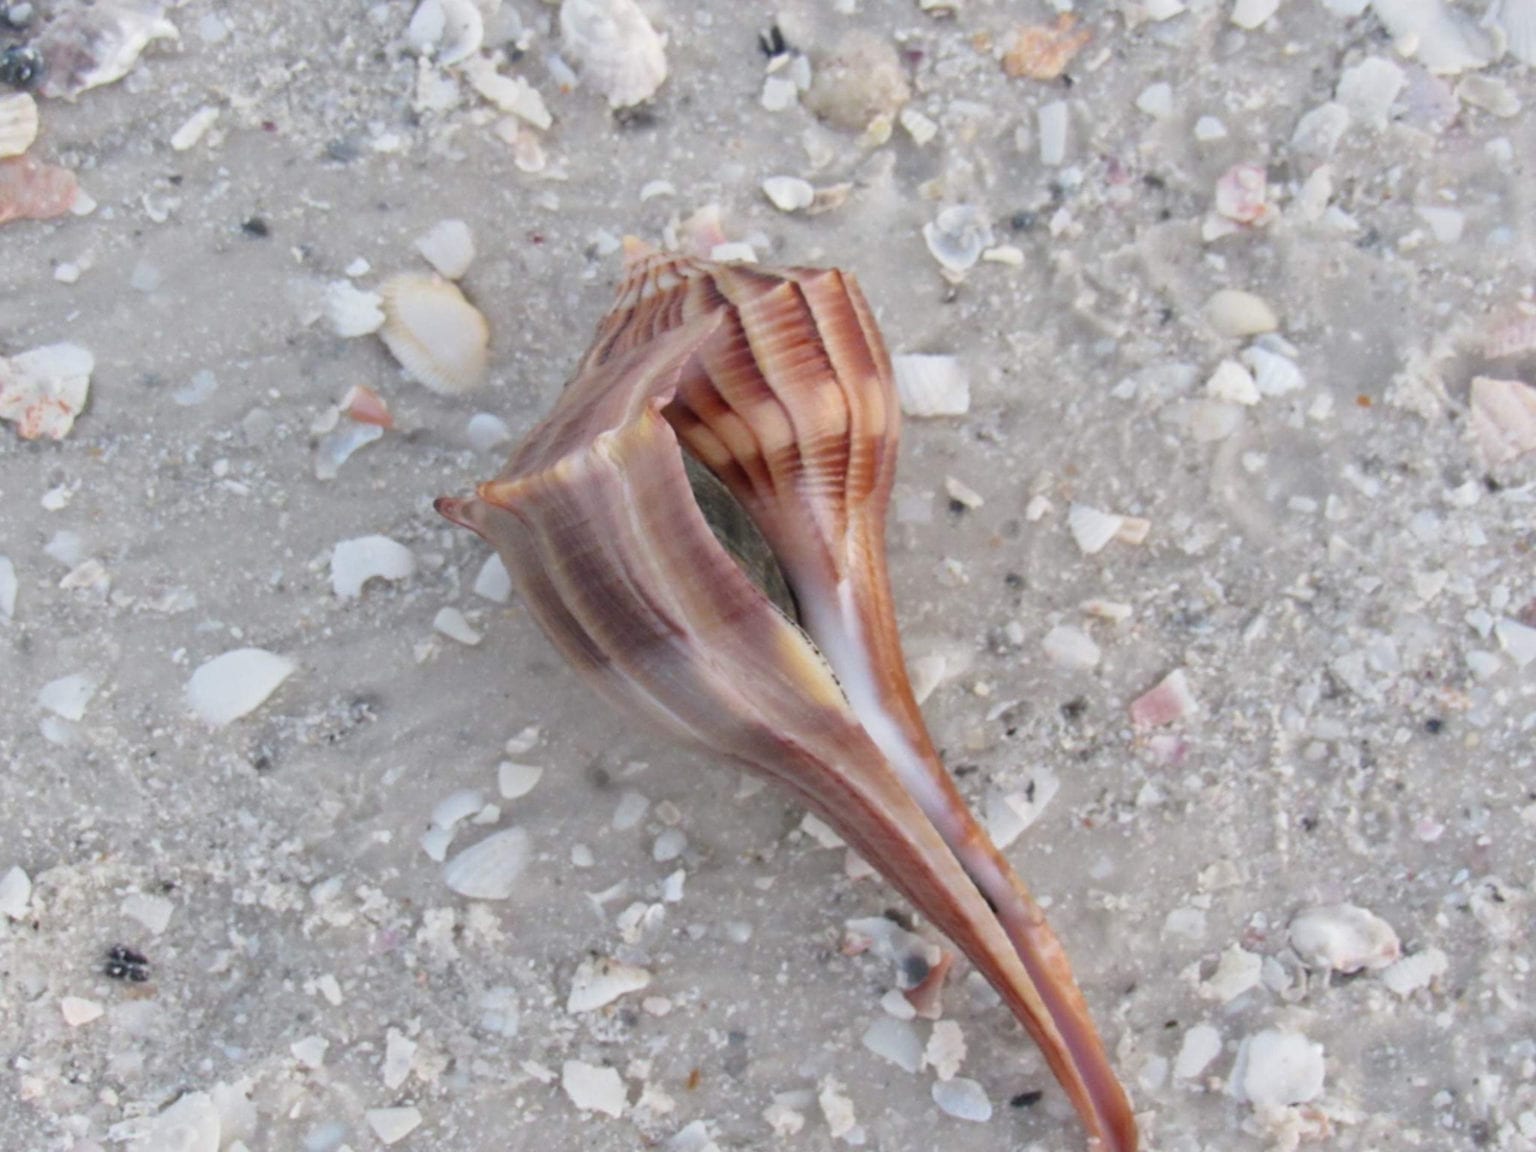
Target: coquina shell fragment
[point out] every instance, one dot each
(778, 384)
(18, 123)
(437, 335)
(615, 48)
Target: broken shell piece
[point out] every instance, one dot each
(1516, 21)
(366, 406)
(89, 45)
(600, 981)
(1171, 700)
(449, 247)
(509, 93)
(615, 49)
(489, 870)
(437, 335)
(18, 123)
(861, 81)
(353, 311)
(594, 1088)
(235, 684)
(44, 389)
(1343, 938)
(957, 236)
(450, 30)
(1241, 192)
(931, 385)
(1093, 528)
(1503, 418)
(1275, 1069)
(1043, 52)
(32, 190)
(357, 561)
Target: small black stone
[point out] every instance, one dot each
(125, 963)
(1026, 1099)
(1434, 725)
(256, 227)
(21, 66)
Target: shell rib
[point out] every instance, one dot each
(779, 383)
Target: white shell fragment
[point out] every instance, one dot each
(1201, 1045)
(44, 389)
(194, 128)
(67, 696)
(1516, 22)
(600, 981)
(87, 46)
(1442, 39)
(18, 123)
(1369, 89)
(15, 893)
(1343, 938)
(78, 1011)
(1517, 640)
(493, 582)
(353, 311)
(449, 247)
(514, 780)
(615, 48)
(192, 1124)
(9, 588)
(593, 1088)
(450, 30)
(355, 562)
(489, 870)
(1275, 1069)
(452, 623)
(1233, 384)
(1415, 973)
(957, 236)
(930, 385)
(235, 684)
(789, 193)
(895, 1040)
(1093, 528)
(1071, 648)
(962, 1098)
(1503, 418)
(437, 335)
(1235, 313)
(391, 1125)
(399, 1053)
(1250, 14)
(511, 94)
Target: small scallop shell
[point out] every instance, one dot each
(615, 47)
(438, 336)
(18, 123)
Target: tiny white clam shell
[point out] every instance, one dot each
(437, 335)
(1343, 938)
(615, 48)
(352, 311)
(18, 123)
(489, 870)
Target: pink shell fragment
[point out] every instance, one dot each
(44, 389)
(32, 190)
(366, 406)
(1171, 700)
(1241, 192)
(1503, 418)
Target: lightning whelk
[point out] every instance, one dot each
(772, 390)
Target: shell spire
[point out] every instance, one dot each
(779, 384)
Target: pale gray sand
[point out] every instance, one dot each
(1338, 572)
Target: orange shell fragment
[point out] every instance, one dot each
(1042, 52)
(32, 190)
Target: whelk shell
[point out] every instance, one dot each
(777, 383)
